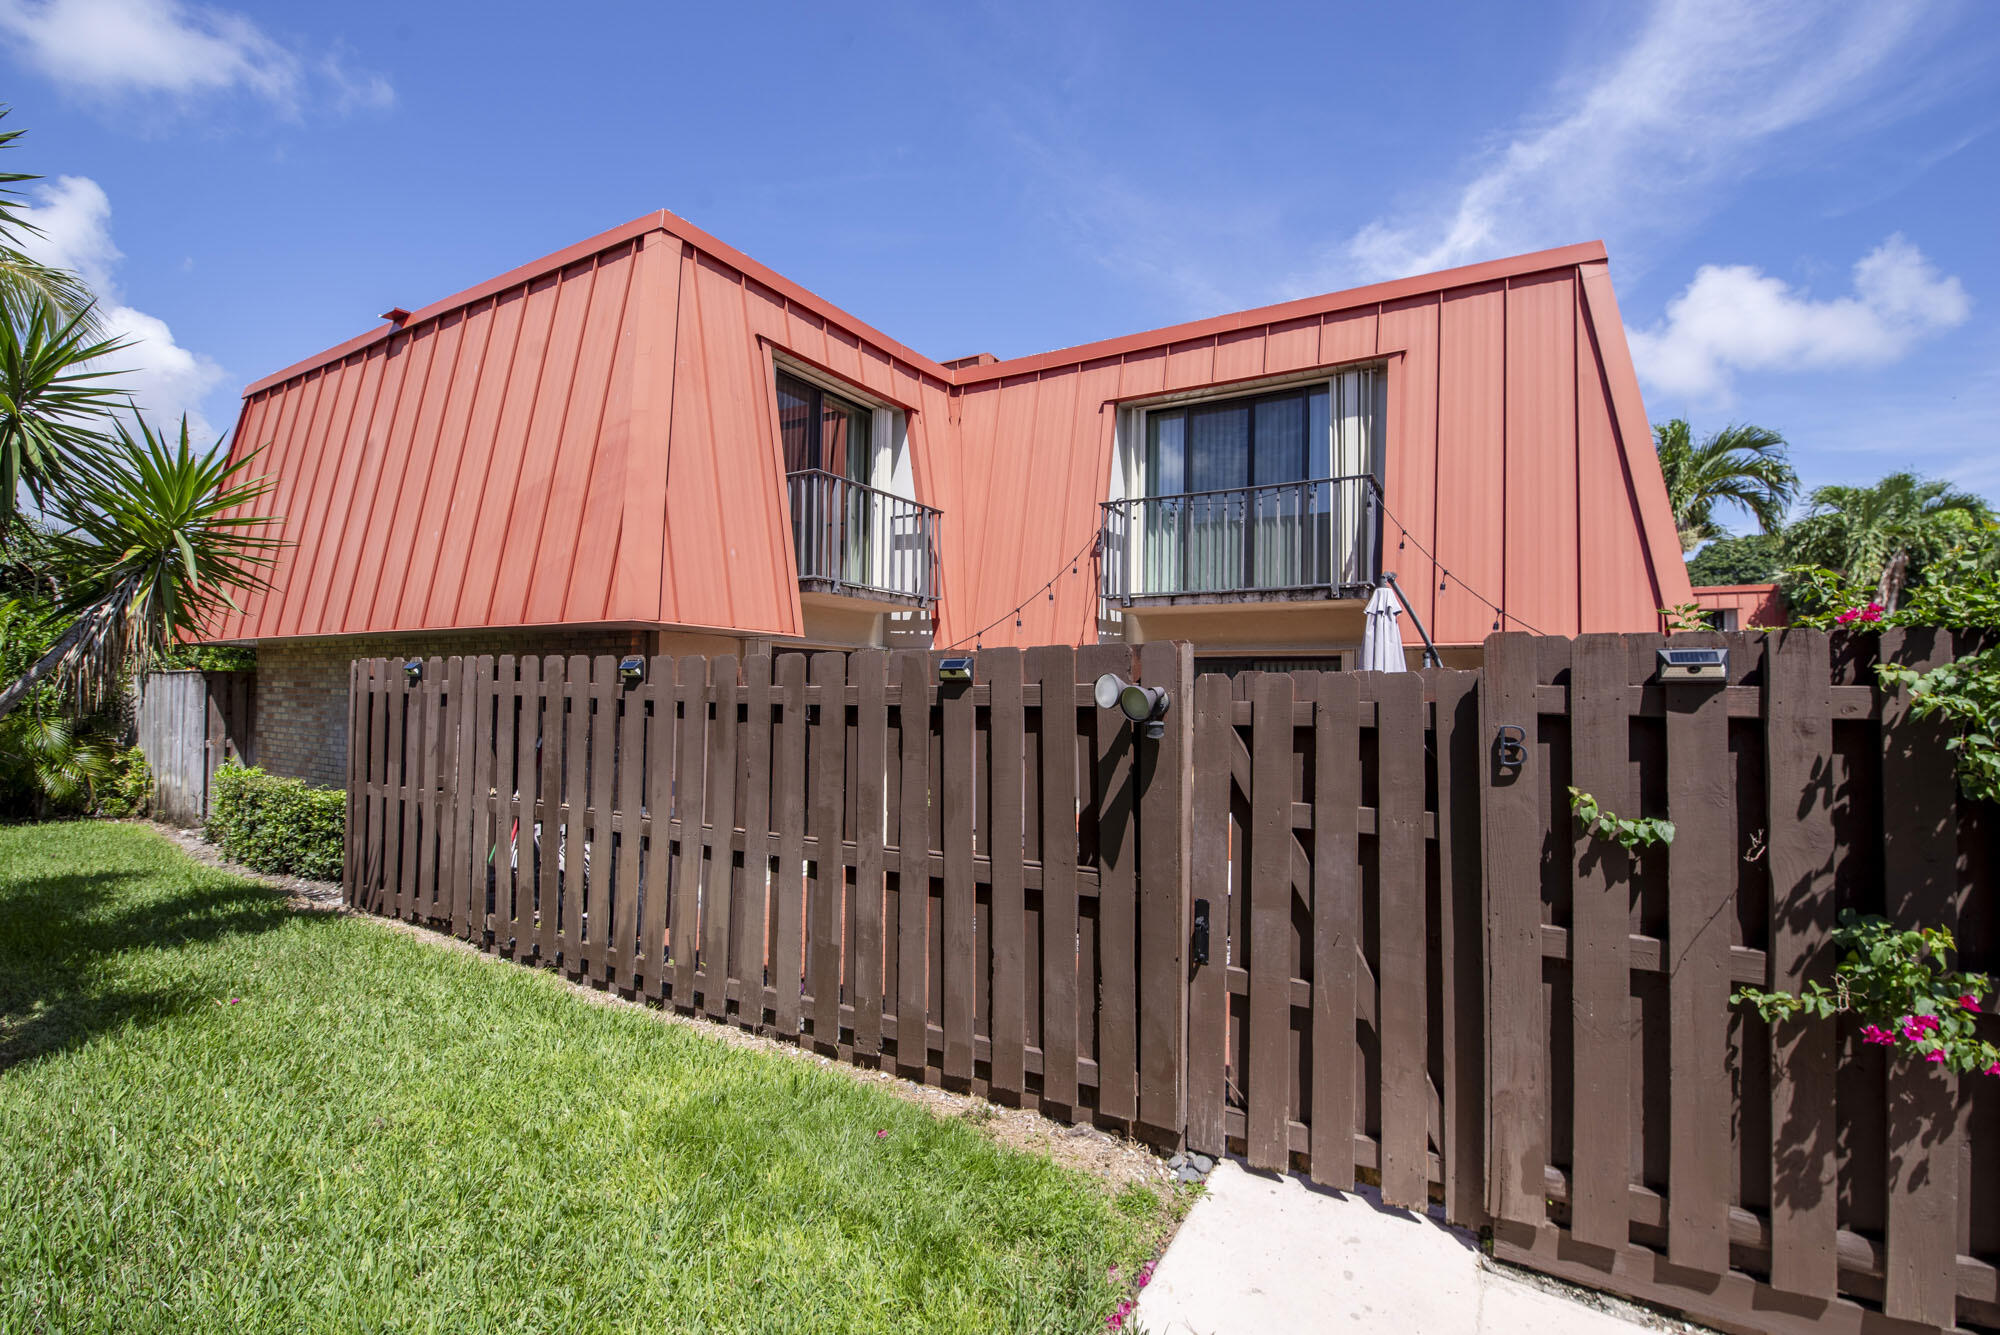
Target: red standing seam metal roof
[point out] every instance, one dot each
(590, 438)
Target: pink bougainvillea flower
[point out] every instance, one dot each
(1934, 1055)
(1113, 1322)
(1847, 618)
(1911, 1029)
(1970, 1003)
(1994, 1069)
(1929, 1022)
(881, 1135)
(1873, 612)
(1875, 1033)
(1144, 1279)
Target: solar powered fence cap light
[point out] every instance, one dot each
(955, 669)
(1141, 704)
(413, 670)
(1693, 665)
(632, 670)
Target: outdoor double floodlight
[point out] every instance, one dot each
(1141, 704)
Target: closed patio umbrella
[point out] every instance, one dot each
(1382, 637)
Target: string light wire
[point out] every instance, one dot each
(1048, 586)
(1445, 576)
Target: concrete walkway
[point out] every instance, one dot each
(1267, 1254)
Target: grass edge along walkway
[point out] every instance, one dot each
(222, 1113)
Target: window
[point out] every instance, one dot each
(822, 431)
(1266, 491)
(1236, 443)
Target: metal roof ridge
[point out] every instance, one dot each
(1393, 289)
(664, 220)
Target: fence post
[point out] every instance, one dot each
(1516, 1026)
(1921, 888)
(1166, 807)
(1804, 1053)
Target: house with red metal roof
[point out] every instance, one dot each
(648, 442)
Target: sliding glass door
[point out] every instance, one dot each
(1232, 504)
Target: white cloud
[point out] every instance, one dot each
(109, 48)
(1738, 318)
(164, 379)
(1640, 142)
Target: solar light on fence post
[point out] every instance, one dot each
(954, 669)
(632, 670)
(1141, 704)
(413, 671)
(1693, 665)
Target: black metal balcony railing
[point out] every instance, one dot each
(854, 539)
(1317, 536)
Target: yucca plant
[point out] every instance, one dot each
(55, 403)
(149, 548)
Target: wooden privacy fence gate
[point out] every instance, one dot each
(1318, 921)
(189, 722)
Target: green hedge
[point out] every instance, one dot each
(277, 825)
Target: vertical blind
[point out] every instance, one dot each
(1245, 493)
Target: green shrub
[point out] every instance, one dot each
(127, 789)
(277, 825)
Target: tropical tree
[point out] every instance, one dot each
(1743, 465)
(1886, 534)
(148, 547)
(1754, 558)
(26, 284)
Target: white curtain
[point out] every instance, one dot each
(1352, 454)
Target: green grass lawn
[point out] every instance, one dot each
(388, 1135)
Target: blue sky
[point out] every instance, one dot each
(1799, 199)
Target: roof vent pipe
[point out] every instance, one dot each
(396, 316)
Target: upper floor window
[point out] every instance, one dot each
(1323, 429)
(823, 431)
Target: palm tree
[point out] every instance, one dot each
(149, 547)
(26, 284)
(1742, 464)
(1887, 533)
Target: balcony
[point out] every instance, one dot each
(1286, 542)
(857, 542)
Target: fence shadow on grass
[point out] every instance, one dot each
(59, 933)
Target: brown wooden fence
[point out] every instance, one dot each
(942, 878)
(1644, 1134)
(1413, 967)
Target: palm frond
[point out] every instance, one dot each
(1741, 465)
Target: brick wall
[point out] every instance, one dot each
(302, 684)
